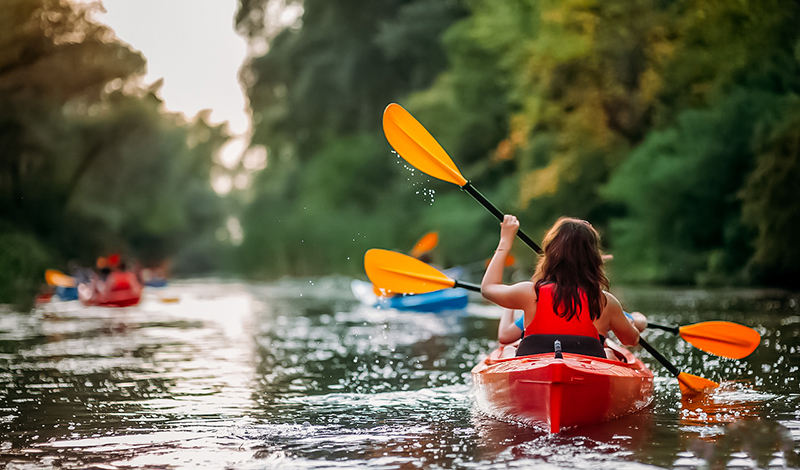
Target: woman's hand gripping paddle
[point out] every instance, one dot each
(418, 147)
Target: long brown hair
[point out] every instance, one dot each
(573, 261)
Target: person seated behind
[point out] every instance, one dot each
(568, 290)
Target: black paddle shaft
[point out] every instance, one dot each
(672, 329)
(466, 285)
(496, 212)
(663, 360)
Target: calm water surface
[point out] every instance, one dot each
(297, 374)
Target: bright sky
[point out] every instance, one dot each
(192, 44)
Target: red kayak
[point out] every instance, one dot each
(120, 289)
(571, 391)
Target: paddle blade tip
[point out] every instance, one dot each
(694, 385)
(55, 277)
(722, 338)
(417, 146)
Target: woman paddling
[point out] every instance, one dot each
(567, 300)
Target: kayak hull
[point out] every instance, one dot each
(576, 390)
(437, 301)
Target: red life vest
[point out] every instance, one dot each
(546, 322)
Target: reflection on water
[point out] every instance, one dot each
(298, 375)
(730, 403)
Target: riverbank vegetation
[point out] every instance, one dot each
(90, 162)
(673, 127)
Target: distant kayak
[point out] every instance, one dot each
(120, 289)
(437, 301)
(558, 393)
(156, 282)
(66, 293)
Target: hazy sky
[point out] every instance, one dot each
(193, 46)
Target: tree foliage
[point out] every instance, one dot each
(769, 200)
(331, 186)
(669, 125)
(89, 159)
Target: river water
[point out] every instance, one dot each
(298, 374)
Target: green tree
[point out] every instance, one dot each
(680, 188)
(90, 161)
(730, 68)
(770, 201)
(317, 96)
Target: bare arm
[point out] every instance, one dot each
(516, 296)
(494, 272)
(508, 331)
(619, 323)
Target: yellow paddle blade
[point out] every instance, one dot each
(417, 146)
(403, 274)
(425, 244)
(692, 384)
(722, 338)
(55, 277)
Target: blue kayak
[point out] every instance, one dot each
(437, 301)
(156, 282)
(66, 293)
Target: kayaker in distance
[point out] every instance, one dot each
(568, 289)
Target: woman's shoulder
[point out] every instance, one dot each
(611, 301)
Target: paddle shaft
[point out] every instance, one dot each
(671, 329)
(663, 360)
(467, 286)
(499, 215)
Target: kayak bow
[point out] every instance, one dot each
(562, 392)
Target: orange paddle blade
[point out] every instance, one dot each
(722, 338)
(417, 146)
(692, 384)
(55, 277)
(425, 244)
(403, 274)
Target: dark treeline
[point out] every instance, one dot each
(674, 127)
(90, 162)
